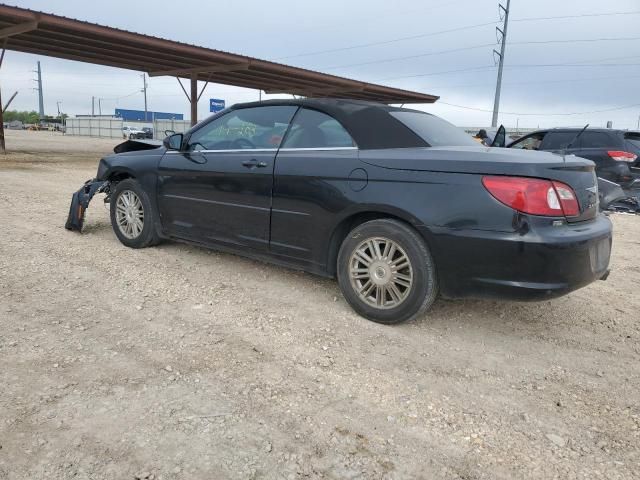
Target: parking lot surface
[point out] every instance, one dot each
(176, 362)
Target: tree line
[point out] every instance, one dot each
(29, 117)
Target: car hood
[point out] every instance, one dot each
(137, 145)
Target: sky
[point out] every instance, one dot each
(558, 71)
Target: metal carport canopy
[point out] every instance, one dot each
(41, 33)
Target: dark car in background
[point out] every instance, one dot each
(148, 132)
(397, 203)
(616, 153)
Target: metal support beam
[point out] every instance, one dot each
(18, 29)
(194, 98)
(203, 88)
(4, 109)
(203, 69)
(310, 92)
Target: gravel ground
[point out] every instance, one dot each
(180, 363)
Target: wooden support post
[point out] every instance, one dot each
(194, 98)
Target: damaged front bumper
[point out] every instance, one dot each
(80, 201)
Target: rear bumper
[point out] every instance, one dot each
(545, 262)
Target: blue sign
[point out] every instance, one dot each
(216, 105)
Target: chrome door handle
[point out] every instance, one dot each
(253, 163)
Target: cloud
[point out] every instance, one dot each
(541, 78)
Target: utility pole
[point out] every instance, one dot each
(40, 96)
(99, 107)
(503, 44)
(144, 90)
(58, 105)
(93, 106)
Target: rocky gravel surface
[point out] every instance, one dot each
(176, 362)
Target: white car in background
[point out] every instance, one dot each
(132, 132)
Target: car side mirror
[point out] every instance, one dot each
(173, 142)
(168, 133)
(500, 139)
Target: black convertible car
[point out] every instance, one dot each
(397, 203)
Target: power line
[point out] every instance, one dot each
(120, 98)
(578, 40)
(623, 107)
(387, 42)
(441, 32)
(395, 59)
(610, 14)
(571, 65)
(377, 14)
(474, 47)
(443, 72)
(580, 64)
(583, 79)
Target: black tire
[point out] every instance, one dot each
(423, 286)
(148, 235)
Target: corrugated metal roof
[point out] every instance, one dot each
(41, 33)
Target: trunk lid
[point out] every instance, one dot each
(576, 172)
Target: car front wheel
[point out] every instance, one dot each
(132, 215)
(386, 272)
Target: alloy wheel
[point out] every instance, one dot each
(380, 272)
(129, 214)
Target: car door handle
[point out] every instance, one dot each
(253, 163)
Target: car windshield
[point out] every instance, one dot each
(433, 130)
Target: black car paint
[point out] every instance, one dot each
(216, 197)
(607, 168)
(296, 209)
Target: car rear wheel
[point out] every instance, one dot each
(385, 272)
(132, 215)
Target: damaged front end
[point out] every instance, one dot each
(80, 202)
(111, 169)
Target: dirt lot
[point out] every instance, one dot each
(180, 363)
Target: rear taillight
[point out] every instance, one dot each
(620, 156)
(533, 195)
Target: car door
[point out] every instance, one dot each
(317, 172)
(528, 142)
(217, 189)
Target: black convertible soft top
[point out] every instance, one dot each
(369, 123)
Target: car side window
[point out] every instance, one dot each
(559, 140)
(532, 142)
(245, 128)
(595, 140)
(313, 129)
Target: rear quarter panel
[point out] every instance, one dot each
(315, 192)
